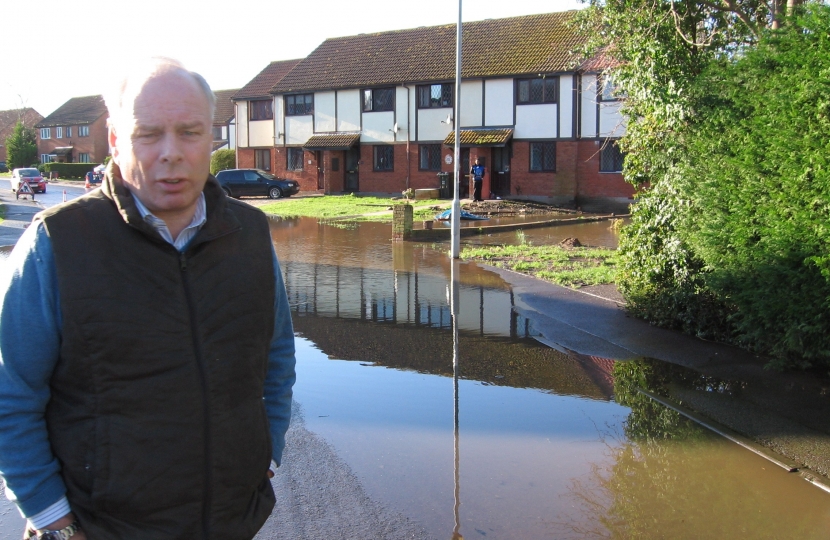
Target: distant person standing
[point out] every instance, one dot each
(477, 171)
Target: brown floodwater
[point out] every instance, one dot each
(519, 440)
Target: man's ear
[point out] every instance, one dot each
(112, 138)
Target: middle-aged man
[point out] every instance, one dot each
(146, 346)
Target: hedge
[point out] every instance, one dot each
(67, 170)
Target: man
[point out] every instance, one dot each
(146, 347)
(477, 171)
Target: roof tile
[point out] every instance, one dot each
(260, 86)
(530, 44)
(78, 110)
(224, 106)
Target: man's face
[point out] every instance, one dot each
(163, 148)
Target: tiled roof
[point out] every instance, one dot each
(332, 141)
(259, 86)
(78, 110)
(480, 137)
(224, 106)
(530, 44)
(8, 119)
(602, 60)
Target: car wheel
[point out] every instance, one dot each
(275, 193)
(227, 192)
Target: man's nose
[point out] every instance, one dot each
(170, 149)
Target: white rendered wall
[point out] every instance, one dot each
(348, 110)
(588, 123)
(402, 101)
(498, 102)
(298, 129)
(536, 121)
(472, 99)
(611, 122)
(325, 112)
(232, 135)
(279, 119)
(566, 106)
(377, 127)
(242, 122)
(261, 133)
(431, 126)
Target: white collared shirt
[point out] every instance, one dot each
(187, 233)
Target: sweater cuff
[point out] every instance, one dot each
(51, 514)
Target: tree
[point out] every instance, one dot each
(222, 159)
(21, 147)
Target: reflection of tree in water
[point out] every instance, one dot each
(665, 477)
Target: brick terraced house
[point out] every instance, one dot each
(224, 125)
(255, 135)
(75, 133)
(374, 113)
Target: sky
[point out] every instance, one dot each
(75, 48)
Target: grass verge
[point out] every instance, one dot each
(572, 267)
(355, 207)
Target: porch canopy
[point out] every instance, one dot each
(481, 137)
(332, 141)
(62, 150)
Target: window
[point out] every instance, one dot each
(610, 157)
(45, 158)
(430, 157)
(435, 95)
(217, 133)
(83, 158)
(68, 131)
(45, 133)
(542, 156)
(295, 159)
(262, 159)
(610, 90)
(299, 104)
(530, 91)
(378, 99)
(59, 132)
(335, 164)
(384, 158)
(262, 109)
(83, 131)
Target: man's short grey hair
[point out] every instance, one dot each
(130, 85)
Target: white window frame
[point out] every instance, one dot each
(83, 158)
(83, 131)
(59, 132)
(45, 133)
(45, 158)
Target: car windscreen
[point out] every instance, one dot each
(29, 173)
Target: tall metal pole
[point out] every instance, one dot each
(456, 201)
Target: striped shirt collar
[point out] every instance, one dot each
(160, 226)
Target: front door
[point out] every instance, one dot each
(351, 181)
(320, 172)
(464, 171)
(500, 173)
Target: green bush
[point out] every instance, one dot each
(222, 160)
(758, 190)
(67, 170)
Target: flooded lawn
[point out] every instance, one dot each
(520, 440)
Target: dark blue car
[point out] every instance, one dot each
(255, 183)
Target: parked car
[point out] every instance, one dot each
(3, 167)
(254, 182)
(32, 176)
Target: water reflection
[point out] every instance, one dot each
(544, 444)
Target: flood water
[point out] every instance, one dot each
(520, 440)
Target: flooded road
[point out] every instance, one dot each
(519, 440)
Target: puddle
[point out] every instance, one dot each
(517, 440)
